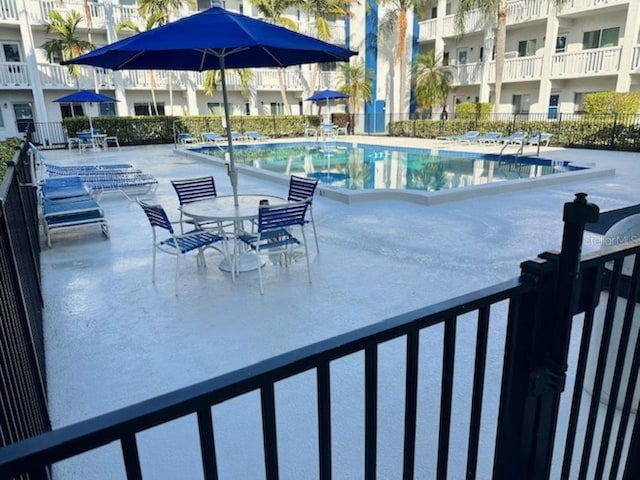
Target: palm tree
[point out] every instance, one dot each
(431, 80)
(273, 12)
(395, 20)
(321, 11)
(162, 10)
(357, 83)
(213, 79)
(491, 9)
(153, 20)
(68, 45)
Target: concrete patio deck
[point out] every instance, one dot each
(113, 338)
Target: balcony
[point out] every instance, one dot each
(521, 11)
(98, 20)
(587, 6)
(58, 76)
(427, 30)
(14, 75)
(521, 69)
(467, 74)
(123, 13)
(597, 61)
(8, 11)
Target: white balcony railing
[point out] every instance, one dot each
(635, 61)
(526, 10)
(519, 69)
(575, 6)
(58, 76)
(597, 61)
(474, 21)
(123, 13)
(8, 11)
(96, 10)
(427, 30)
(14, 74)
(328, 80)
(467, 74)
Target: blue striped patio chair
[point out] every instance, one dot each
(301, 188)
(179, 244)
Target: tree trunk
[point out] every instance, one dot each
(283, 93)
(400, 58)
(501, 35)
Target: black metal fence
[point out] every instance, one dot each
(554, 316)
(23, 401)
(607, 132)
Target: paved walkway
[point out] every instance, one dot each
(113, 338)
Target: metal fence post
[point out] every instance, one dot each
(536, 354)
(612, 140)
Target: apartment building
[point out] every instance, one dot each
(29, 82)
(554, 55)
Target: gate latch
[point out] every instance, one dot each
(545, 381)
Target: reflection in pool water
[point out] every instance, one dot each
(365, 167)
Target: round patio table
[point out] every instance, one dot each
(222, 209)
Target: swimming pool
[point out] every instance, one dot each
(372, 167)
(357, 171)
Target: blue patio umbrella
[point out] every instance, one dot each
(86, 96)
(326, 95)
(214, 39)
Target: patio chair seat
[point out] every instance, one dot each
(275, 234)
(179, 244)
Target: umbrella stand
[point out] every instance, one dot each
(233, 174)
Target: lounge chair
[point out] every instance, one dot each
(343, 130)
(515, 138)
(213, 137)
(237, 136)
(489, 138)
(185, 138)
(67, 203)
(539, 139)
(112, 139)
(468, 137)
(255, 135)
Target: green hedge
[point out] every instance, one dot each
(8, 149)
(159, 129)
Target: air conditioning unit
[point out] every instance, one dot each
(510, 54)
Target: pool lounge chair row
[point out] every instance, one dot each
(68, 203)
(213, 137)
(101, 179)
(494, 138)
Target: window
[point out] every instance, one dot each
(107, 109)
(527, 48)
(328, 66)
(445, 58)
(434, 12)
(147, 109)
(521, 103)
(607, 37)
(70, 110)
(561, 43)
(247, 109)
(578, 102)
(448, 9)
(277, 108)
(463, 54)
(215, 108)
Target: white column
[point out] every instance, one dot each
(631, 29)
(487, 63)
(551, 34)
(39, 107)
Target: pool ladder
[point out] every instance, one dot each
(516, 155)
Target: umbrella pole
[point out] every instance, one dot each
(233, 174)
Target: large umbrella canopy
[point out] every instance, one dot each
(86, 96)
(326, 95)
(214, 39)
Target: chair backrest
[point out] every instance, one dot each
(157, 216)
(281, 216)
(194, 189)
(301, 188)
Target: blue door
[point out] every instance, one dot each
(553, 107)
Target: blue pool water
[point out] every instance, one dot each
(366, 167)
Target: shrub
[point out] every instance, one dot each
(8, 149)
(472, 110)
(599, 103)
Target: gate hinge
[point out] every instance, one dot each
(545, 381)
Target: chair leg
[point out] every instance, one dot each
(306, 253)
(259, 268)
(177, 269)
(313, 224)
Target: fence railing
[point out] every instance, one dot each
(553, 302)
(23, 398)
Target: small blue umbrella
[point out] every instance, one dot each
(326, 95)
(85, 96)
(214, 39)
